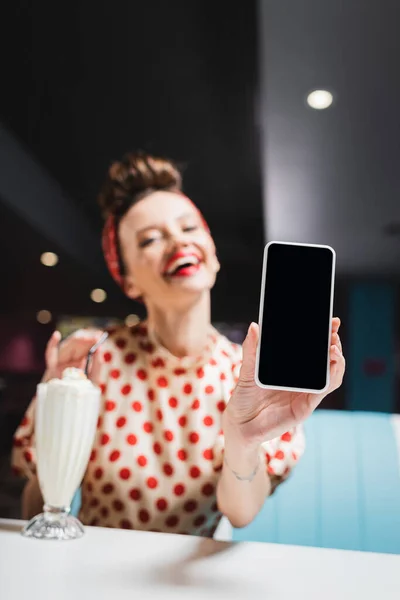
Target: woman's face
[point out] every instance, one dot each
(167, 252)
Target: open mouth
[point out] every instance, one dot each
(182, 265)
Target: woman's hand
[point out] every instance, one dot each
(72, 352)
(257, 415)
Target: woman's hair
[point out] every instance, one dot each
(133, 178)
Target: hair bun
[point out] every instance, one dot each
(132, 178)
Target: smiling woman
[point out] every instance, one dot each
(184, 435)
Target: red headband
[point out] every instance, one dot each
(110, 245)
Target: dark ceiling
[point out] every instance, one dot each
(84, 84)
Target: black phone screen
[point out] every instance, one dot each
(295, 316)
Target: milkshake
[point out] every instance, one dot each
(65, 426)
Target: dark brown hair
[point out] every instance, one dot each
(134, 177)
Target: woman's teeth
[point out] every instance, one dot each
(185, 261)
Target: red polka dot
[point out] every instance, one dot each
(28, 456)
(121, 422)
(208, 454)
(147, 347)
(120, 343)
(130, 358)
(208, 421)
(107, 357)
(200, 373)
(199, 521)
(105, 438)
(294, 455)
(110, 405)
(118, 505)
(182, 421)
(213, 362)
(115, 454)
(126, 389)
(17, 443)
(222, 376)
(196, 404)
(144, 516)
(168, 469)
(159, 415)
(148, 427)
(214, 507)
(286, 437)
(279, 455)
(194, 437)
(135, 494)
(179, 371)
(89, 486)
(195, 472)
(131, 439)
(162, 504)
(125, 524)
(142, 374)
(152, 483)
(270, 470)
(179, 489)
(207, 489)
(115, 373)
(157, 448)
(187, 388)
(16, 470)
(173, 402)
(182, 454)
(99, 422)
(172, 521)
(168, 435)
(24, 421)
(125, 473)
(151, 395)
(108, 488)
(267, 457)
(98, 474)
(158, 363)
(162, 382)
(94, 502)
(209, 389)
(137, 407)
(103, 388)
(221, 406)
(142, 461)
(224, 353)
(190, 506)
(94, 522)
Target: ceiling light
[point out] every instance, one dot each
(49, 259)
(320, 99)
(98, 295)
(44, 316)
(131, 320)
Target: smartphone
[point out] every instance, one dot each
(295, 318)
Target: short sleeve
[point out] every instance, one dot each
(23, 456)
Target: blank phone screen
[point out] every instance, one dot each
(295, 316)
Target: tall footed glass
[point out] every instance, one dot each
(65, 427)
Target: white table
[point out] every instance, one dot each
(117, 564)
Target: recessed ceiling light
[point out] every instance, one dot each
(98, 295)
(49, 259)
(131, 320)
(320, 99)
(44, 316)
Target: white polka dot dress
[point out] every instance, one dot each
(158, 451)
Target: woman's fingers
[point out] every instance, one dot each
(335, 341)
(52, 349)
(76, 348)
(249, 356)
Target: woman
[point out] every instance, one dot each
(171, 453)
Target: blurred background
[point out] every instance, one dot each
(284, 116)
